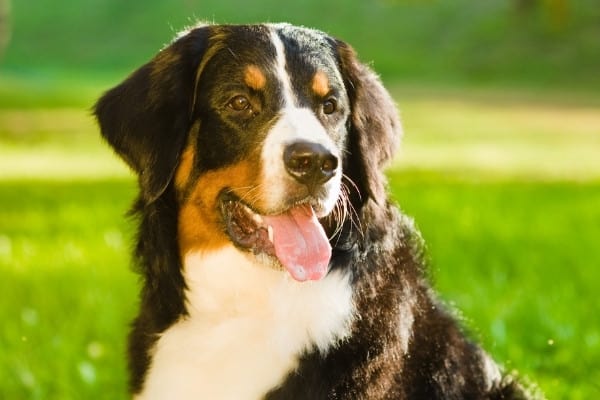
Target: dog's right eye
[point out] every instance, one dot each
(239, 103)
(329, 106)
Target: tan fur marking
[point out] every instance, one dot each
(199, 218)
(320, 84)
(254, 77)
(186, 160)
(185, 167)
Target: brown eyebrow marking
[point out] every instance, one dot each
(254, 77)
(320, 84)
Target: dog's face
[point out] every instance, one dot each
(260, 131)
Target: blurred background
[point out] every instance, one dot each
(500, 167)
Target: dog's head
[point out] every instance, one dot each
(260, 131)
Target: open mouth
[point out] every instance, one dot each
(294, 237)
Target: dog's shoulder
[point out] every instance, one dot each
(405, 343)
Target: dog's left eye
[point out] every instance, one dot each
(239, 103)
(329, 106)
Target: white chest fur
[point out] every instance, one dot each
(247, 325)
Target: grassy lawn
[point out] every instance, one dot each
(68, 294)
(505, 189)
(520, 260)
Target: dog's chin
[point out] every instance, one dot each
(288, 239)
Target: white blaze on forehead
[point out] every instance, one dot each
(281, 72)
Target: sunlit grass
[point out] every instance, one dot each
(46, 88)
(68, 294)
(55, 144)
(499, 137)
(520, 260)
(505, 192)
(487, 135)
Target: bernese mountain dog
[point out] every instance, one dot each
(274, 266)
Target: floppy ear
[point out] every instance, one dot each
(147, 117)
(375, 129)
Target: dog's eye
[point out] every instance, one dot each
(239, 103)
(329, 106)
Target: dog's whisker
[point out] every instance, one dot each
(342, 212)
(249, 194)
(338, 216)
(353, 184)
(352, 213)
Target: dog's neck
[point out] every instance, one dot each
(228, 284)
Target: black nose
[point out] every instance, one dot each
(309, 163)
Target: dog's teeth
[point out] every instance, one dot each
(270, 233)
(256, 218)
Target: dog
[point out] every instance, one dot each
(274, 266)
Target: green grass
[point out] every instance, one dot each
(68, 294)
(520, 260)
(512, 239)
(540, 136)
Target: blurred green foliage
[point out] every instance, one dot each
(551, 42)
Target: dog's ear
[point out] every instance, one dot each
(147, 117)
(374, 131)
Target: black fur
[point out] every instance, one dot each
(148, 120)
(374, 126)
(441, 363)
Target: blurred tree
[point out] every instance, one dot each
(555, 11)
(558, 12)
(4, 24)
(525, 6)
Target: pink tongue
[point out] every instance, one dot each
(300, 242)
